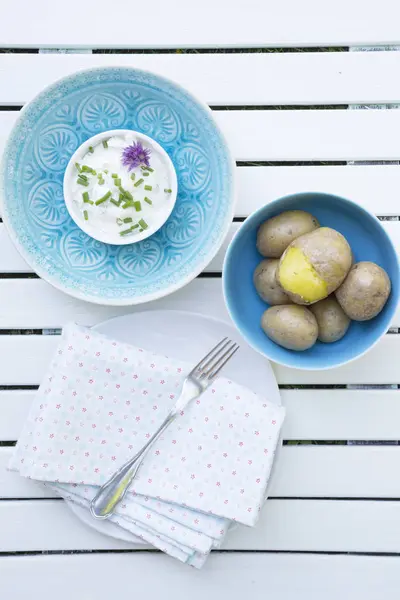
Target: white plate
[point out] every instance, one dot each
(186, 336)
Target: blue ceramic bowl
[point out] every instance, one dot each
(53, 126)
(368, 241)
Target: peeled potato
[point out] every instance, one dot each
(364, 292)
(266, 284)
(314, 265)
(275, 234)
(293, 327)
(331, 318)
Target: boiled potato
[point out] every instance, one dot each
(314, 265)
(293, 327)
(275, 234)
(266, 285)
(331, 319)
(364, 292)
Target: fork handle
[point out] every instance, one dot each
(112, 492)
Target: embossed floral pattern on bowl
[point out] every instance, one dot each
(48, 132)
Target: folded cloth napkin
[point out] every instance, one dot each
(99, 403)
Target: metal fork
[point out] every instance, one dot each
(198, 380)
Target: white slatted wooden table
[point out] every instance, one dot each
(292, 112)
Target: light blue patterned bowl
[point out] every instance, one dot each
(49, 130)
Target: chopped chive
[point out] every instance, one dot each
(103, 198)
(133, 176)
(135, 226)
(139, 182)
(85, 196)
(146, 199)
(101, 182)
(114, 175)
(148, 187)
(80, 176)
(106, 171)
(128, 195)
(117, 181)
(140, 230)
(167, 190)
(143, 224)
(85, 214)
(127, 220)
(105, 144)
(137, 205)
(128, 204)
(83, 182)
(86, 169)
(78, 166)
(145, 174)
(116, 202)
(121, 197)
(144, 168)
(126, 231)
(91, 149)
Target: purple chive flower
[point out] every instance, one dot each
(135, 155)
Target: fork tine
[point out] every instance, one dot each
(212, 351)
(215, 373)
(215, 355)
(212, 365)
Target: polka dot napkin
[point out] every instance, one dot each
(99, 403)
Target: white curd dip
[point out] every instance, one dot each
(120, 187)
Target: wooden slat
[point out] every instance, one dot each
(178, 24)
(50, 308)
(290, 135)
(373, 187)
(25, 358)
(300, 472)
(378, 366)
(287, 78)
(277, 576)
(303, 525)
(12, 262)
(341, 414)
(332, 414)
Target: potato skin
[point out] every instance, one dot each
(293, 327)
(265, 282)
(331, 318)
(364, 292)
(275, 234)
(330, 255)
